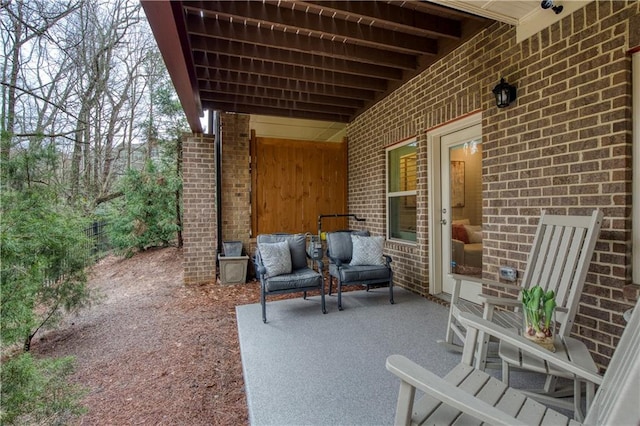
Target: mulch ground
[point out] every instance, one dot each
(152, 350)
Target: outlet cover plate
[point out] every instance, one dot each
(508, 273)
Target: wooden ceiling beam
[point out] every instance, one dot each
(317, 59)
(301, 43)
(277, 112)
(275, 103)
(265, 92)
(287, 18)
(207, 81)
(284, 56)
(407, 19)
(439, 8)
(270, 69)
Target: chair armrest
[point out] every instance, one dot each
(504, 301)
(440, 389)
(499, 301)
(257, 261)
(512, 338)
(484, 281)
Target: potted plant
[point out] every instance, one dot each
(538, 315)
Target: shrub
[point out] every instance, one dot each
(43, 259)
(37, 391)
(145, 216)
(41, 274)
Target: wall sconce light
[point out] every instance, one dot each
(504, 93)
(546, 4)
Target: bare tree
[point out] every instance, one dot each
(24, 25)
(109, 58)
(81, 79)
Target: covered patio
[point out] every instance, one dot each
(394, 72)
(307, 368)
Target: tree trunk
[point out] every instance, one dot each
(9, 122)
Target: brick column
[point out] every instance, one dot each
(236, 178)
(199, 218)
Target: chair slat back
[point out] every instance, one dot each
(560, 258)
(617, 401)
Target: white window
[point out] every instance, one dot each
(402, 178)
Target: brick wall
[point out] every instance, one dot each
(200, 229)
(564, 146)
(236, 179)
(199, 217)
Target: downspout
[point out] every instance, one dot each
(215, 124)
(635, 157)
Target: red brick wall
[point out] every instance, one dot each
(200, 229)
(564, 146)
(236, 179)
(199, 217)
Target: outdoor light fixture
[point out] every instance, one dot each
(546, 4)
(504, 93)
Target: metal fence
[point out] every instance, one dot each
(94, 247)
(97, 243)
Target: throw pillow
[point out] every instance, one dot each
(458, 232)
(367, 250)
(276, 258)
(474, 233)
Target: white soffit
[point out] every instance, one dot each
(527, 16)
(509, 12)
(540, 18)
(299, 129)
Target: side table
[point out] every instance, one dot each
(573, 350)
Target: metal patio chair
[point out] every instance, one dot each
(363, 264)
(281, 265)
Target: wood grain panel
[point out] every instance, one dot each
(295, 181)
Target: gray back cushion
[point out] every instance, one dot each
(297, 246)
(340, 245)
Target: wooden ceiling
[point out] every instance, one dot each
(322, 60)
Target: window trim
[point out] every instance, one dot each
(388, 194)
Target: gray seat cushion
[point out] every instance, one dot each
(299, 278)
(360, 273)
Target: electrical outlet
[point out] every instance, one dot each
(508, 273)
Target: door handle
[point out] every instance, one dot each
(443, 221)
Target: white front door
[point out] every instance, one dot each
(455, 197)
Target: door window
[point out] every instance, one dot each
(465, 173)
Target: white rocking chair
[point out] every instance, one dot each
(559, 260)
(467, 395)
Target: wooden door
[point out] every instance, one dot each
(294, 181)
